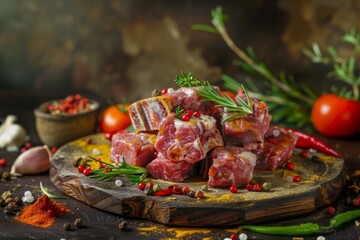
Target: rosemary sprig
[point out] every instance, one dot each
(188, 80)
(50, 195)
(238, 107)
(178, 111)
(343, 67)
(134, 173)
(292, 103)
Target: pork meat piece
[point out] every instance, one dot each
(136, 148)
(147, 114)
(187, 98)
(249, 128)
(162, 168)
(277, 149)
(231, 166)
(189, 141)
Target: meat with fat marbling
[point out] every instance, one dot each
(136, 148)
(189, 141)
(231, 166)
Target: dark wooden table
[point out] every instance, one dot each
(103, 225)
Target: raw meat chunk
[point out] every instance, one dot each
(146, 114)
(231, 166)
(249, 128)
(189, 141)
(277, 149)
(136, 148)
(162, 168)
(187, 98)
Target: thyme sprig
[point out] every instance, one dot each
(343, 67)
(188, 80)
(293, 101)
(238, 107)
(135, 173)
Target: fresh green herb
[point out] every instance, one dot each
(134, 173)
(293, 101)
(306, 228)
(343, 67)
(188, 80)
(238, 107)
(50, 195)
(179, 111)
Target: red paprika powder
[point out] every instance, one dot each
(42, 213)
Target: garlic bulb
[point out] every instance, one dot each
(11, 134)
(32, 161)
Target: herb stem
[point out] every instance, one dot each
(241, 54)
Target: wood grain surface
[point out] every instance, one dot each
(322, 181)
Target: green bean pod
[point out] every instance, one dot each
(302, 229)
(342, 218)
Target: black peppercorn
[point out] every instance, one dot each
(123, 226)
(112, 238)
(78, 223)
(67, 226)
(148, 190)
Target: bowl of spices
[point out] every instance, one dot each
(60, 121)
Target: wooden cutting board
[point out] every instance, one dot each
(322, 181)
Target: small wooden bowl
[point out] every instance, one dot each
(56, 130)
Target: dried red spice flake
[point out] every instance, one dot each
(72, 104)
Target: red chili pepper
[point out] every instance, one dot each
(307, 141)
(166, 192)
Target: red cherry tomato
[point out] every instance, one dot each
(230, 94)
(115, 119)
(334, 116)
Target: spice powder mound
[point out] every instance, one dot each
(42, 213)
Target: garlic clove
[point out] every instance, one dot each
(33, 161)
(11, 133)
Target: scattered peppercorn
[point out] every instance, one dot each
(54, 149)
(266, 186)
(88, 141)
(112, 238)
(81, 168)
(87, 171)
(5, 176)
(155, 93)
(233, 189)
(199, 194)
(3, 162)
(290, 166)
(78, 223)
(67, 226)
(156, 188)
(164, 91)
(304, 154)
(185, 190)
(257, 187)
(234, 236)
(296, 178)
(331, 211)
(191, 193)
(123, 226)
(148, 190)
(249, 187)
(141, 186)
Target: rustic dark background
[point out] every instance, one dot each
(126, 48)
